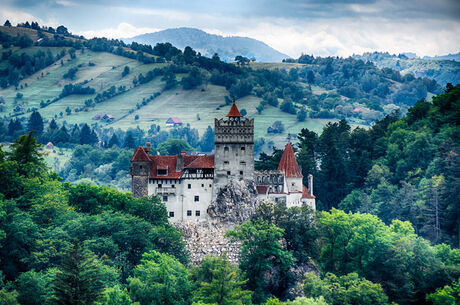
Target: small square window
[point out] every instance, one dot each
(189, 186)
(173, 186)
(165, 198)
(197, 213)
(229, 173)
(189, 212)
(241, 172)
(160, 185)
(197, 198)
(202, 185)
(225, 162)
(171, 214)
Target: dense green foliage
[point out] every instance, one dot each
(347, 289)
(441, 69)
(400, 168)
(448, 295)
(220, 282)
(263, 259)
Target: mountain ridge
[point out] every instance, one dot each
(208, 44)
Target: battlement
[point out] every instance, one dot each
(234, 131)
(231, 122)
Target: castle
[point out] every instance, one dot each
(187, 184)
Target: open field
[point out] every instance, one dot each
(100, 70)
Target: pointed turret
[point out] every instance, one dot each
(234, 112)
(288, 163)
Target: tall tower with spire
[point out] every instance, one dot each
(234, 149)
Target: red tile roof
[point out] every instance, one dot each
(164, 162)
(201, 162)
(169, 163)
(306, 193)
(262, 189)
(289, 164)
(174, 120)
(234, 112)
(140, 155)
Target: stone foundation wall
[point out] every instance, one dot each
(235, 204)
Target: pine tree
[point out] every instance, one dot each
(53, 124)
(7, 23)
(129, 141)
(78, 280)
(14, 126)
(36, 123)
(25, 152)
(88, 136)
(114, 141)
(75, 135)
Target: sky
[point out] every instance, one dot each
(294, 27)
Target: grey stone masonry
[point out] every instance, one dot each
(234, 151)
(140, 178)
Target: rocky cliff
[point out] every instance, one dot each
(234, 204)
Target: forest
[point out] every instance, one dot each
(374, 240)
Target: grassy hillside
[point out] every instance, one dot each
(101, 70)
(326, 89)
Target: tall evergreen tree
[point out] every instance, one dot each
(114, 141)
(88, 136)
(14, 127)
(53, 124)
(25, 152)
(78, 281)
(36, 123)
(207, 140)
(129, 141)
(75, 134)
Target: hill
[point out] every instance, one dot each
(72, 80)
(444, 69)
(208, 44)
(455, 57)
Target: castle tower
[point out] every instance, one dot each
(288, 164)
(139, 170)
(234, 149)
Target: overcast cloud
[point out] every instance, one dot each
(328, 27)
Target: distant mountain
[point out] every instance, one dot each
(441, 69)
(455, 57)
(208, 44)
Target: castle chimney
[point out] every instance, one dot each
(147, 148)
(180, 161)
(310, 184)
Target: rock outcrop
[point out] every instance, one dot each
(235, 204)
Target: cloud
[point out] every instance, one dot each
(66, 3)
(17, 16)
(123, 30)
(319, 27)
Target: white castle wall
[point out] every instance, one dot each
(180, 199)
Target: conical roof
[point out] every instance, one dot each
(234, 112)
(140, 155)
(289, 164)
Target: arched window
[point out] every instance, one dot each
(226, 149)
